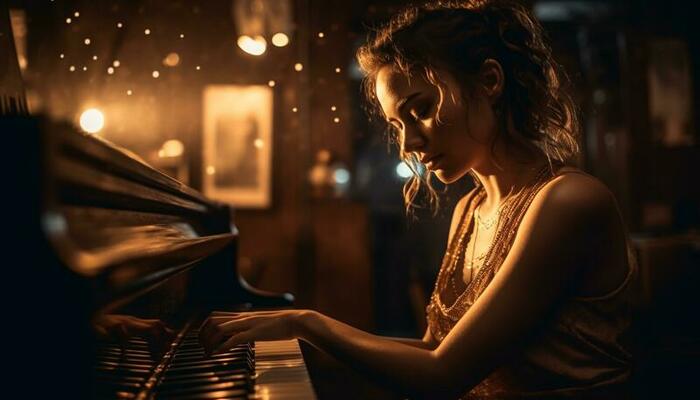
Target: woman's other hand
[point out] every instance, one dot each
(223, 331)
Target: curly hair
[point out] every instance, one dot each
(535, 111)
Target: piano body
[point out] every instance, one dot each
(108, 244)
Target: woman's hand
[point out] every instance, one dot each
(223, 331)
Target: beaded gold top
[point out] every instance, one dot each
(442, 317)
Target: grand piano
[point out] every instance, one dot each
(110, 268)
(125, 263)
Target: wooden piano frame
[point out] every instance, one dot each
(96, 230)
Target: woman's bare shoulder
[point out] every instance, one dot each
(580, 190)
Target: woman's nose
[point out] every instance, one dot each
(412, 140)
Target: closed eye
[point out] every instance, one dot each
(420, 112)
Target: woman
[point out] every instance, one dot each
(534, 294)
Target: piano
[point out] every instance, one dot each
(122, 265)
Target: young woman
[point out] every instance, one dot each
(535, 293)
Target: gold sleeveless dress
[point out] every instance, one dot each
(582, 351)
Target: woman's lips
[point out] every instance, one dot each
(433, 162)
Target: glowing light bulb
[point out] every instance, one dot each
(76, 14)
(155, 74)
(72, 68)
(341, 176)
(337, 70)
(147, 31)
(255, 46)
(172, 148)
(211, 170)
(321, 34)
(280, 39)
(110, 70)
(198, 68)
(87, 41)
(129, 92)
(116, 63)
(271, 83)
(336, 120)
(333, 108)
(68, 20)
(94, 57)
(171, 60)
(84, 68)
(295, 109)
(62, 55)
(298, 67)
(403, 171)
(119, 25)
(258, 143)
(92, 120)
(182, 36)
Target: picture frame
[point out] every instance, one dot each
(237, 144)
(670, 92)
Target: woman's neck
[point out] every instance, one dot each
(509, 175)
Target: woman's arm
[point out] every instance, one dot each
(534, 276)
(428, 342)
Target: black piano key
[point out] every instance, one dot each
(219, 395)
(208, 367)
(122, 371)
(232, 358)
(203, 387)
(187, 380)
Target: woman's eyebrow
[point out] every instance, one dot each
(402, 103)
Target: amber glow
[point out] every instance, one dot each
(92, 120)
(252, 45)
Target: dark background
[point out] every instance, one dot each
(355, 255)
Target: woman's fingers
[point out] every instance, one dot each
(218, 331)
(221, 329)
(233, 341)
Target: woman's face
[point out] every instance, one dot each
(449, 148)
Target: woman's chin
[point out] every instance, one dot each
(446, 177)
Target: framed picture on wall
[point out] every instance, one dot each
(670, 92)
(237, 144)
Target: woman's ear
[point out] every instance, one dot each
(492, 79)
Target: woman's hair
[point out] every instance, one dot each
(535, 111)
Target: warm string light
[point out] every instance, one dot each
(333, 108)
(129, 92)
(337, 70)
(321, 34)
(68, 20)
(119, 25)
(110, 70)
(280, 39)
(72, 68)
(147, 31)
(271, 83)
(87, 41)
(336, 120)
(294, 109)
(298, 67)
(182, 36)
(155, 74)
(76, 14)
(94, 58)
(62, 55)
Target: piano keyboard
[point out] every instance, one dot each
(263, 370)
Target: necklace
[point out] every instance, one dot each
(488, 223)
(512, 213)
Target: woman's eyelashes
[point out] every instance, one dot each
(420, 111)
